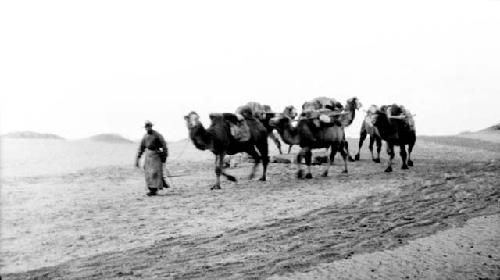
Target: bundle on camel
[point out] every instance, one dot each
(328, 111)
(404, 115)
(263, 113)
(322, 103)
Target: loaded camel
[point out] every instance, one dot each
(264, 114)
(221, 142)
(327, 103)
(396, 126)
(309, 134)
(291, 113)
(367, 128)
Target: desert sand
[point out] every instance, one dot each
(439, 220)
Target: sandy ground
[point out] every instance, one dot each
(468, 252)
(96, 223)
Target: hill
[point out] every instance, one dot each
(110, 138)
(495, 127)
(31, 135)
(486, 139)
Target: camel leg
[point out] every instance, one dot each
(229, 177)
(218, 171)
(222, 168)
(300, 172)
(264, 153)
(346, 144)
(390, 152)
(402, 153)
(362, 137)
(289, 148)
(308, 158)
(333, 151)
(344, 154)
(276, 141)
(379, 148)
(370, 146)
(410, 149)
(251, 151)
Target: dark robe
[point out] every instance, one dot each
(152, 146)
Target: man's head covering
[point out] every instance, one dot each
(148, 123)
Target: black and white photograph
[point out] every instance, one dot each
(249, 139)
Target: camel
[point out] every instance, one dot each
(291, 113)
(219, 140)
(367, 128)
(264, 114)
(308, 135)
(396, 127)
(326, 103)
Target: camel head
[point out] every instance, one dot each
(192, 119)
(279, 120)
(290, 112)
(353, 104)
(372, 110)
(371, 115)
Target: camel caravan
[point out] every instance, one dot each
(320, 125)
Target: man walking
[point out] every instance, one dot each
(156, 152)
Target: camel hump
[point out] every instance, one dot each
(330, 103)
(322, 104)
(254, 110)
(238, 126)
(323, 101)
(246, 111)
(240, 131)
(323, 110)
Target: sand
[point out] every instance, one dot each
(96, 222)
(468, 252)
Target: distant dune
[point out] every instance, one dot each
(110, 138)
(488, 138)
(32, 135)
(496, 127)
(490, 134)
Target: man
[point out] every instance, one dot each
(156, 153)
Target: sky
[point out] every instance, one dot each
(78, 68)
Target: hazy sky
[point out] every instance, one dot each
(77, 68)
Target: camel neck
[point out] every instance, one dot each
(289, 134)
(200, 137)
(351, 114)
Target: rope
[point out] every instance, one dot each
(182, 152)
(175, 159)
